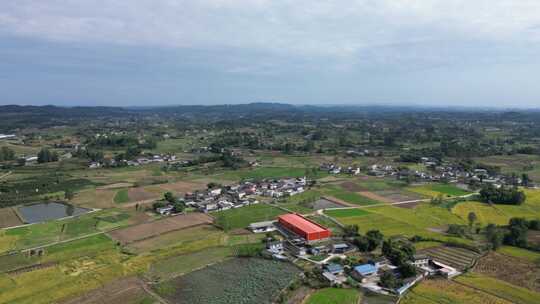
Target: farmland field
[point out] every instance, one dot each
(448, 292)
(433, 190)
(500, 288)
(242, 217)
(178, 237)
(151, 229)
(334, 295)
(125, 291)
(182, 264)
(240, 280)
(458, 258)
(8, 218)
(346, 212)
(501, 214)
(516, 271)
(525, 254)
(391, 220)
(121, 196)
(352, 198)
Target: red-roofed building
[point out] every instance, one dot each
(305, 228)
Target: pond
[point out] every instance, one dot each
(42, 212)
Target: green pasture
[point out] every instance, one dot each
(334, 295)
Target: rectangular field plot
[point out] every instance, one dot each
(8, 218)
(126, 291)
(446, 291)
(504, 290)
(334, 295)
(212, 235)
(433, 190)
(516, 271)
(346, 212)
(242, 217)
(181, 264)
(151, 229)
(459, 258)
(246, 280)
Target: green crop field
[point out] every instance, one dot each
(334, 295)
(520, 253)
(346, 212)
(501, 214)
(500, 288)
(242, 217)
(422, 220)
(121, 196)
(347, 196)
(247, 280)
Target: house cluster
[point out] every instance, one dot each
(243, 194)
(368, 275)
(335, 169)
(143, 160)
(448, 173)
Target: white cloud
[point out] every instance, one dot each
(301, 27)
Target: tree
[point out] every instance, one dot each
(69, 194)
(517, 233)
(494, 235)
(169, 197)
(472, 218)
(178, 207)
(362, 243)
(407, 270)
(350, 230)
(375, 238)
(525, 180)
(502, 195)
(46, 156)
(6, 154)
(388, 280)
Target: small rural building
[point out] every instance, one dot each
(334, 268)
(165, 210)
(420, 260)
(364, 271)
(262, 227)
(303, 227)
(340, 248)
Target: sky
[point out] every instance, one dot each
(365, 52)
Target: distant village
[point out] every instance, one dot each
(438, 172)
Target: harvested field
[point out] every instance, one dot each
(399, 195)
(9, 218)
(351, 187)
(129, 291)
(324, 204)
(148, 230)
(533, 237)
(183, 187)
(513, 270)
(140, 194)
(241, 280)
(375, 196)
(95, 199)
(456, 257)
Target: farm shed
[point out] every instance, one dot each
(303, 227)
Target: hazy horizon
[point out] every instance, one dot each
(154, 53)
